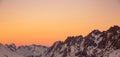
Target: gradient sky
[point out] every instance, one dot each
(43, 22)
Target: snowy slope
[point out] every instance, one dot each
(5, 52)
(33, 50)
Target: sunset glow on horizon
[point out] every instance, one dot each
(42, 22)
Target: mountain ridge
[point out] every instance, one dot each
(95, 44)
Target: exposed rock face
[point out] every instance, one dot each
(95, 44)
(12, 47)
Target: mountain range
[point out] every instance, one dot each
(95, 44)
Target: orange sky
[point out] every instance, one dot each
(43, 22)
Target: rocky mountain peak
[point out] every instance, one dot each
(96, 31)
(12, 46)
(71, 40)
(115, 29)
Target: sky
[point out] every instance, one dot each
(42, 22)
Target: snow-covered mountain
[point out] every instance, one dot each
(95, 44)
(6, 52)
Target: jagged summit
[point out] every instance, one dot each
(95, 44)
(11, 46)
(96, 31)
(114, 28)
(73, 38)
